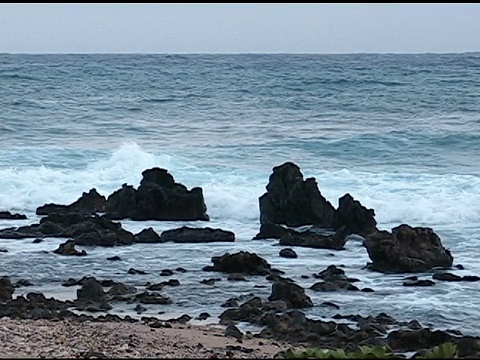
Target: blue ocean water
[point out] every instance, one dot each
(401, 133)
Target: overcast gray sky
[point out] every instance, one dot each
(239, 28)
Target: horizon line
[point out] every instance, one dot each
(242, 53)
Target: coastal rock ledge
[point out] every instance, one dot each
(406, 249)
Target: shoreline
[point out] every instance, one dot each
(91, 339)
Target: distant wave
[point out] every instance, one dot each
(19, 77)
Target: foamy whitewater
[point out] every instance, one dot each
(400, 133)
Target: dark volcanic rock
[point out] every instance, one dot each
(271, 231)
(293, 294)
(6, 288)
(133, 271)
(419, 283)
(210, 281)
(158, 197)
(241, 262)
(97, 231)
(121, 203)
(233, 331)
(313, 240)
(470, 278)
(203, 316)
(332, 273)
(288, 253)
(7, 215)
(147, 236)
(84, 229)
(197, 235)
(68, 248)
(446, 277)
(410, 340)
(166, 272)
(354, 216)
(88, 204)
(406, 249)
(91, 295)
(292, 201)
(121, 289)
(114, 258)
(153, 298)
(334, 280)
(22, 282)
(236, 277)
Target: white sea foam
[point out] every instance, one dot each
(418, 199)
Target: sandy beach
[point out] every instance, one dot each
(73, 339)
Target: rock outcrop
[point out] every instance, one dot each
(355, 217)
(88, 204)
(406, 249)
(158, 197)
(293, 201)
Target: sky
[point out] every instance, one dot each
(239, 28)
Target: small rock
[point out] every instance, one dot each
(414, 325)
(208, 281)
(328, 303)
(139, 309)
(288, 253)
(203, 316)
(233, 331)
(135, 271)
(419, 283)
(166, 272)
(470, 278)
(236, 277)
(114, 258)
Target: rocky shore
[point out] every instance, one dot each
(292, 211)
(90, 339)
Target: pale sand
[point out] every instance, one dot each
(71, 339)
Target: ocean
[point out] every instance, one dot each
(400, 133)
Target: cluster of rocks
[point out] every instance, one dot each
(158, 197)
(289, 203)
(97, 230)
